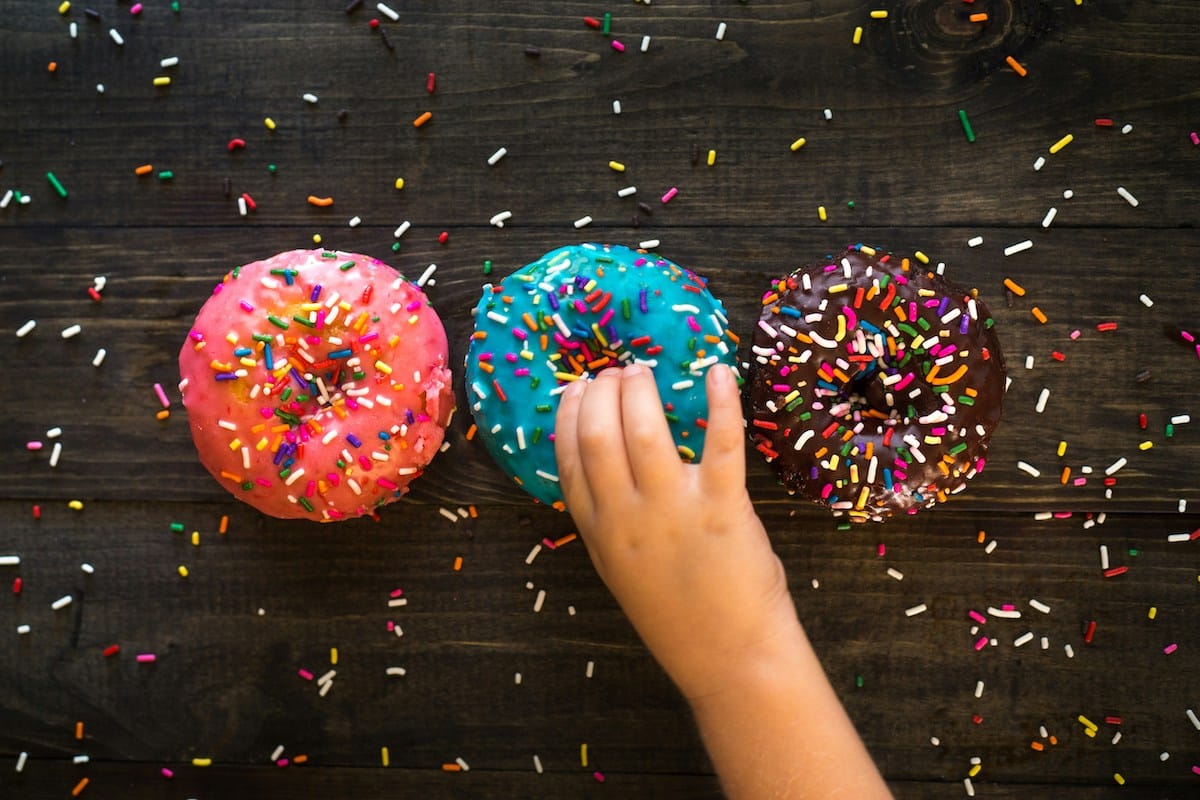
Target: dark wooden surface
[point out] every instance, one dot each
(270, 598)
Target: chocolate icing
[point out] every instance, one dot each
(859, 403)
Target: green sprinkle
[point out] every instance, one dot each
(346, 266)
(359, 375)
(849, 204)
(58, 187)
(604, 259)
(175, 6)
(304, 321)
(1170, 430)
(923, 323)
(283, 473)
(534, 381)
(263, 337)
(843, 526)
(166, 175)
(966, 125)
(792, 406)
(177, 527)
(1133, 551)
(271, 168)
(487, 267)
(537, 434)
(341, 464)
(286, 394)
(672, 417)
(327, 254)
(395, 247)
(626, 309)
(543, 407)
(247, 486)
(858, 681)
(304, 502)
(966, 400)
(958, 448)
(806, 416)
(277, 322)
(607, 29)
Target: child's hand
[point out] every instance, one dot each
(679, 545)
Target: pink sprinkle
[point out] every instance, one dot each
(1196, 767)
(166, 773)
(396, 592)
(975, 615)
(303, 673)
(1171, 648)
(521, 372)
(881, 550)
(666, 198)
(1195, 138)
(33, 445)
(1009, 607)
(620, 48)
(245, 304)
(1080, 481)
(599, 776)
(146, 658)
(162, 396)
(549, 543)
(385, 483)
(1075, 334)
(982, 643)
(283, 762)
(135, 9)
(391, 626)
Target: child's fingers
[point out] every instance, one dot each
(601, 446)
(648, 443)
(576, 492)
(723, 462)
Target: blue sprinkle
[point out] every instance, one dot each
(887, 479)
(242, 351)
(343, 353)
(384, 435)
(354, 440)
(863, 323)
(788, 311)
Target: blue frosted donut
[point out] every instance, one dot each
(566, 317)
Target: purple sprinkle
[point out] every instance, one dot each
(316, 292)
(642, 306)
(354, 440)
(966, 322)
(552, 300)
(227, 376)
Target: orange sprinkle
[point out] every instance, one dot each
(471, 432)
(421, 120)
(162, 414)
(1066, 475)
(224, 526)
(980, 537)
(79, 729)
(230, 476)
(1038, 315)
(978, 18)
(313, 200)
(457, 563)
(1014, 287)
(451, 768)
(300, 759)
(1017, 68)
(1037, 746)
(144, 169)
(1053, 740)
(474, 512)
(79, 787)
(570, 537)
(52, 66)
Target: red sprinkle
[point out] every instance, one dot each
(250, 204)
(1142, 421)
(92, 293)
(374, 23)
(1112, 720)
(1103, 122)
(1106, 326)
(1115, 571)
(235, 144)
(37, 512)
(430, 82)
(16, 585)
(1057, 356)
(1090, 633)
(112, 650)
(591, 22)
(443, 237)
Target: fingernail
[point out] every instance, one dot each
(722, 374)
(632, 371)
(574, 388)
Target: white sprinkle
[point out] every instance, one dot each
(721, 31)
(1023, 640)
(462, 764)
(1068, 194)
(571, 611)
(1182, 506)
(516, 678)
(1178, 537)
(100, 88)
(1070, 651)
(25, 329)
(115, 35)
(1181, 419)
(1041, 403)
(276, 753)
(324, 690)
(388, 12)
(1146, 301)
(355, 221)
(21, 761)
(74, 29)
(537, 548)
(62, 602)
(87, 568)
(396, 629)
(1116, 465)
(828, 113)
(616, 106)
(23, 629)
(1028, 362)
(26, 199)
(397, 602)
(1103, 556)
(171, 61)
(1116, 737)
(1019, 247)
(80, 759)
(55, 454)
(495, 157)
(404, 226)
(990, 547)
(496, 316)
(679, 386)
(975, 241)
(1126, 128)
(54, 433)
(1038, 605)
(1192, 716)
(537, 765)
(895, 573)
(816, 584)
(1037, 165)
(1045, 642)
(241, 203)
(397, 672)
(426, 275)
(591, 667)
(541, 598)
(1029, 468)
(499, 219)
(649, 244)
(4, 201)
(1046, 220)
(309, 97)
(584, 220)
(9, 561)
(448, 514)
(1003, 613)
(627, 191)
(935, 741)
(1133, 201)
(73, 330)
(978, 689)
(968, 787)
(912, 611)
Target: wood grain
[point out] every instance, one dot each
(271, 598)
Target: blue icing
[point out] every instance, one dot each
(637, 305)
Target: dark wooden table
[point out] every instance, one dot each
(887, 157)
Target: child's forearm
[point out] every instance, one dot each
(779, 731)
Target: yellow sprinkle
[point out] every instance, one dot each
(1062, 449)
(333, 655)
(1152, 613)
(712, 157)
(840, 287)
(399, 183)
(162, 80)
(183, 573)
(566, 376)
(821, 213)
(924, 259)
(201, 762)
(270, 123)
(583, 755)
(880, 14)
(1087, 723)
(1061, 143)
(235, 444)
(868, 250)
(195, 538)
(1146, 445)
(383, 756)
(616, 166)
(858, 35)
(64, 8)
(75, 505)
(975, 769)
(316, 238)
(1117, 777)
(796, 145)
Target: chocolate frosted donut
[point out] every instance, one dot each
(874, 384)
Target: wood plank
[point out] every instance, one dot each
(895, 101)
(1080, 279)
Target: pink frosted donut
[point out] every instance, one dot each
(316, 384)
